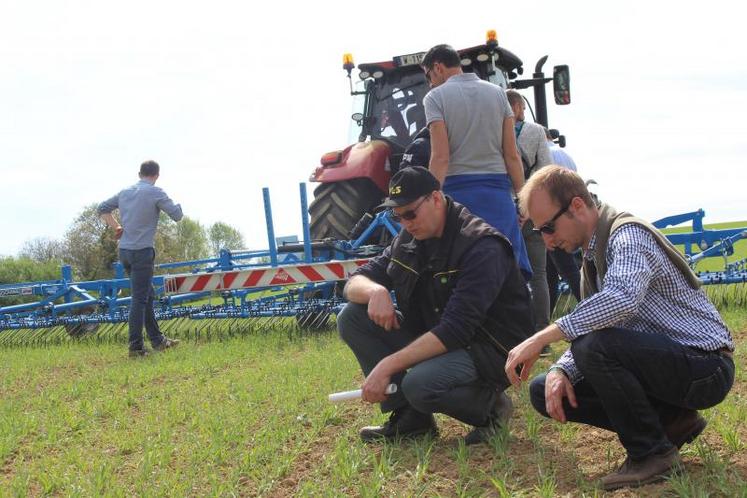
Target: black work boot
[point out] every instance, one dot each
(499, 417)
(403, 423)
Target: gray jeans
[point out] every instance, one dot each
(537, 253)
(139, 266)
(448, 383)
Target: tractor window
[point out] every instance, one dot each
(397, 106)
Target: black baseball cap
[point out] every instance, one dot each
(409, 184)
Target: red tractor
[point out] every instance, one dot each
(389, 114)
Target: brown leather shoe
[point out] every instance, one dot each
(403, 423)
(653, 468)
(685, 427)
(166, 343)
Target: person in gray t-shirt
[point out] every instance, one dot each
(139, 207)
(473, 146)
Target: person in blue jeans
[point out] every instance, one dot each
(139, 208)
(647, 348)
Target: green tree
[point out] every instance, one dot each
(23, 269)
(90, 247)
(224, 236)
(43, 249)
(180, 241)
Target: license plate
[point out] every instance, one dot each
(409, 59)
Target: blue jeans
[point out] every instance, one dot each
(139, 266)
(448, 383)
(635, 383)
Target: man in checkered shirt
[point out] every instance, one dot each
(647, 348)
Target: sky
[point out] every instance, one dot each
(231, 96)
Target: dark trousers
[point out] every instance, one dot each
(634, 383)
(448, 383)
(139, 266)
(561, 264)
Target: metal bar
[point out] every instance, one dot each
(270, 228)
(305, 224)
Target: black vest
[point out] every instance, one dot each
(423, 287)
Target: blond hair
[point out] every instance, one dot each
(560, 183)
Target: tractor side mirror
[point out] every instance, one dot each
(561, 84)
(358, 118)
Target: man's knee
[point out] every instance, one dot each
(418, 390)
(349, 320)
(591, 343)
(537, 394)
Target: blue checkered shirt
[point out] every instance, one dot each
(643, 291)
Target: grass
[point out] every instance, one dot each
(248, 416)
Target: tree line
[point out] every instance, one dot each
(91, 249)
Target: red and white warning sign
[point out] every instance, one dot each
(329, 271)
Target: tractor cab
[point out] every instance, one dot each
(388, 114)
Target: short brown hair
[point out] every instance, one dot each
(560, 183)
(514, 97)
(149, 168)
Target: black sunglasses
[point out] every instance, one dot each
(410, 214)
(549, 227)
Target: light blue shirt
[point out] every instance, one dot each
(561, 157)
(139, 208)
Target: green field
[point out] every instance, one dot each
(248, 416)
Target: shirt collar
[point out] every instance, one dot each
(464, 77)
(590, 251)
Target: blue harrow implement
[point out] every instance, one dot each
(291, 284)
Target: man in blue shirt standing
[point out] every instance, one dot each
(647, 348)
(139, 207)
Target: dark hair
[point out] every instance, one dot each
(149, 168)
(514, 97)
(445, 54)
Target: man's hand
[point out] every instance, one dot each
(118, 232)
(557, 387)
(381, 309)
(525, 354)
(374, 387)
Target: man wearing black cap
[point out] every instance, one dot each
(462, 304)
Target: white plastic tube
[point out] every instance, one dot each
(348, 395)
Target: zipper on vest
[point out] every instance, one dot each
(400, 263)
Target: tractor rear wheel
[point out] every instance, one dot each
(338, 206)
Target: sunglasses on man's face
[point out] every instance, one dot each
(410, 214)
(549, 227)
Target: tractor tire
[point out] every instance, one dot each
(337, 207)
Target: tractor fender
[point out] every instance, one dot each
(361, 160)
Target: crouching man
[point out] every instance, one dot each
(462, 305)
(647, 347)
